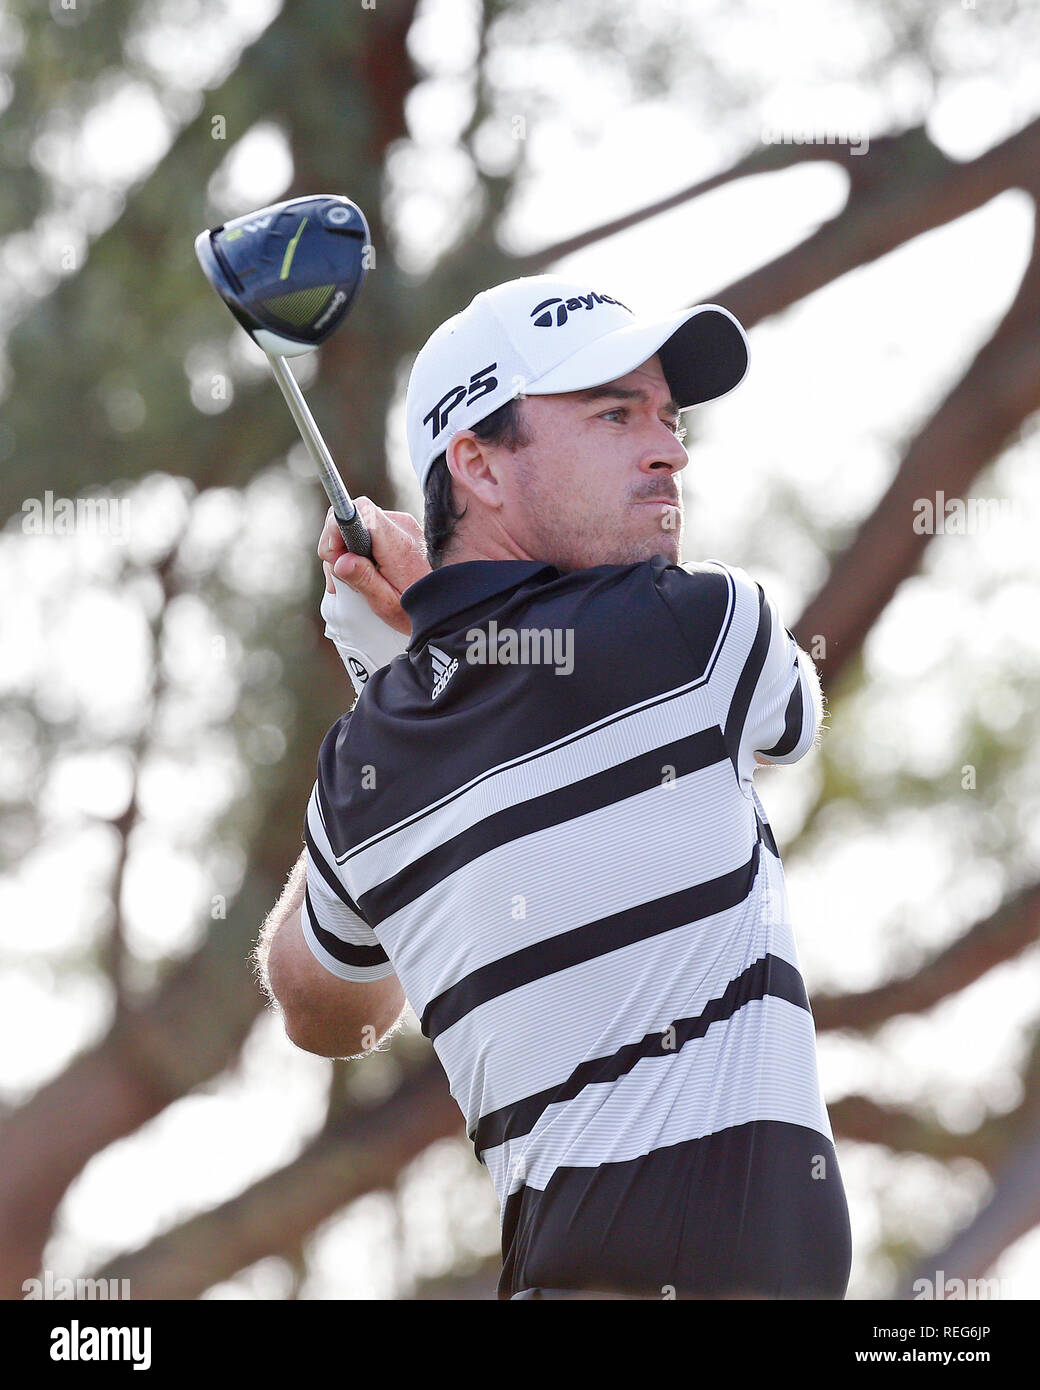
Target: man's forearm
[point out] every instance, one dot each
(287, 904)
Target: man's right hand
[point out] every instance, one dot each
(398, 549)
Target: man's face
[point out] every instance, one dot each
(598, 484)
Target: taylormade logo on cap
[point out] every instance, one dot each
(498, 348)
(544, 317)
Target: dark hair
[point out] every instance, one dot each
(504, 427)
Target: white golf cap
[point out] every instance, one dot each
(542, 335)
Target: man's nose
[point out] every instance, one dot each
(667, 450)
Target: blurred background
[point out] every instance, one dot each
(858, 182)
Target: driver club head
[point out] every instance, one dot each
(289, 272)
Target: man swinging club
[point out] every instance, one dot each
(564, 865)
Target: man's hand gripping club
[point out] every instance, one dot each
(362, 604)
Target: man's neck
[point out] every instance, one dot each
(485, 550)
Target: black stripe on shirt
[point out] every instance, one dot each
(769, 975)
(765, 834)
(325, 869)
(748, 682)
(579, 798)
(323, 809)
(587, 942)
(792, 723)
(364, 957)
(333, 819)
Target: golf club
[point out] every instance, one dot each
(289, 273)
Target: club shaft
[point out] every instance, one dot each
(352, 528)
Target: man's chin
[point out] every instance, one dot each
(665, 540)
(666, 544)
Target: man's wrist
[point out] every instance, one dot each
(365, 643)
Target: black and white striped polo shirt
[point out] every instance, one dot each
(542, 818)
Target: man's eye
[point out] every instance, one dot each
(622, 412)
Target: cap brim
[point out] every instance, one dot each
(703, 350)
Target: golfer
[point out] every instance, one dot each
(538, 825)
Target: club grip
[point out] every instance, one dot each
(355, 536)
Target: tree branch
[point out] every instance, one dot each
(1014, 926)
(365, 1153)
(765, 159)
(980, 415)
(866, 1121)
(1012, 1211)
(903, 186)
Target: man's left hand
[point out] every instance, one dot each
(399, 550)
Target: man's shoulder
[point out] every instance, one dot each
(717, 572)
(333, 748)
(705, 587)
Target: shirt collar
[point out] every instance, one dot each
(452, 589)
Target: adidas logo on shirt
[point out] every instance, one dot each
(444, 667)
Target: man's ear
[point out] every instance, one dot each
(473, 467)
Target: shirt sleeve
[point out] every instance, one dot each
(764, 688)
(338, 936)
(774, 709)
